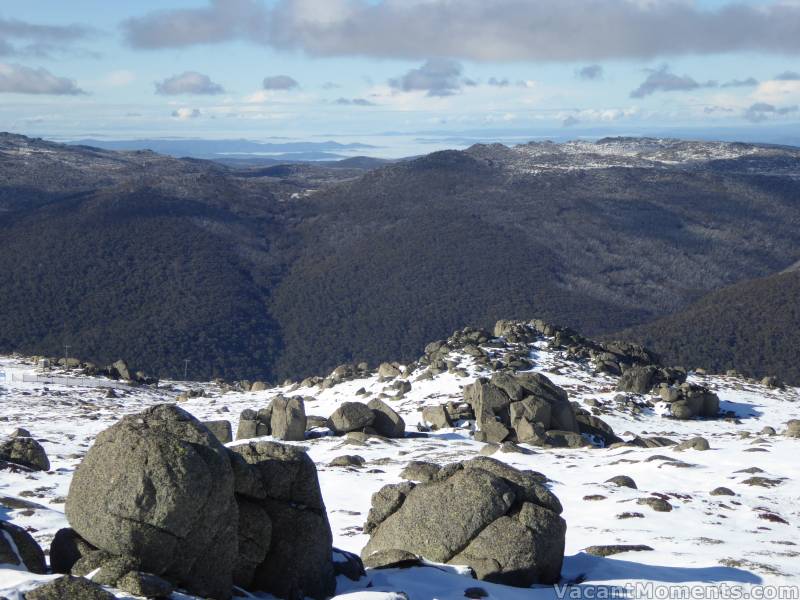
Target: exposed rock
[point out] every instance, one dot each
(348, 460)
(519, 407)
(616, 549)
(392, 559)
(565, 439)
(695, 443)
(221, 430)
(120, 368)
(258, 386)
(623, 481)
(145, 584)
(420, 471)
(350, 416)
(386, 421)
(793, 428)
(158, 486)
(348, 564)
(254, 424)
(501, 522)
(637, 379)
(282, 480)
(722, 491)
(288, 419)
(595, 427)
(24, 451)
(18, 548)
(66, 548)
(388, 371)
(385, 502)
(657, 504)
(436, 417)
(688, 401)
(69, 588)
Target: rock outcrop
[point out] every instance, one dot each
(688, 401)
(158, 500)
(158, 487)
(502, 522)
(519, 407)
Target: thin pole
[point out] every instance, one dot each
(185, 368)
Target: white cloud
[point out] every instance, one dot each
(778, 92)
(185, 114)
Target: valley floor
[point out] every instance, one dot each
(718, 546)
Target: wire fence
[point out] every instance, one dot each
(23, 377)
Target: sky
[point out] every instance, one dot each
(311, 69)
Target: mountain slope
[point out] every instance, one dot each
(291, 270)
(753, 327)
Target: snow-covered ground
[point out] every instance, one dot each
(733, 543)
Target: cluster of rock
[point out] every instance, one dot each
(689, 400)
(285, 419)
(522, 407)
(641, 379)
(117, 370)
(607, 357)
(501, 522)
(159, 502)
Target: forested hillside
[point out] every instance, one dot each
(268, 273)
(753, 327)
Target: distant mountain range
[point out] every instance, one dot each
(235, 149)
(287, 270)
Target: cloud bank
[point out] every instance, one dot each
(481, 30)
(20, 38)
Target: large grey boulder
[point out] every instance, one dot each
(158, 486)
(18, 548)
(288, 420)
(501, 522)
(351, 416)
(386, 421)
(282, 482)
(24, 451)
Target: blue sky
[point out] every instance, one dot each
(307, 68)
